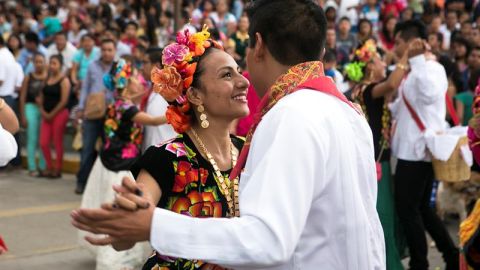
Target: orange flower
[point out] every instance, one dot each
(179, 121)
(168, 82)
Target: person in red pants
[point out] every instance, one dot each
(53, 101)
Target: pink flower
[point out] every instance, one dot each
(183, 37)
(130, 151)
(177, 148)
(174, 53)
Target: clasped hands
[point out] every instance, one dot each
(124, 221)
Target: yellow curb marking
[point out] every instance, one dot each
(39, 209)
(9, 256)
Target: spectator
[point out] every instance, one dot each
(32, 45)
(14, 44)
(461, 50)
(330, 8)
(92, 129)
(130, 35)
(330, 66)
(331, 44)
(222, 17)
(387, 38)
(185, 23)
(5, 26)
(203, 11)
(51, 24)
(238, 42)
(82, 59)
(450, 26)
(365, 31)
(407, 14)
(63, 47)
(165, 30)
(435, 40)
(76, 31)
(371, 11)
(30, 113)
(121, 48)
(53, 100)
(345, 39)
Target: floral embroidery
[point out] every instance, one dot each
(177, 149)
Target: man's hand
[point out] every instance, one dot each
(416, 47)
(121, 226)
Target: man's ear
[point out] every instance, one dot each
(260, 48)
(194, 96)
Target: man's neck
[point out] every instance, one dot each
(275, 71)
(105, 63)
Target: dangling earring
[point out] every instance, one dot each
(203, 117)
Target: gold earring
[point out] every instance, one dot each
(203, 117)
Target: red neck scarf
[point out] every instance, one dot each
(305, 75)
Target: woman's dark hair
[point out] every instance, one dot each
(294, 37)
(32, 37)
(362, 21)
(386, 34)
(464, 42)
(20, 43)
(59, 57)
(37, 53)
(202, 4)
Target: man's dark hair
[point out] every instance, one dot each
(291, 37)
(344, 18)
(62, 33)
(155, 55)
(53, 10)
(32, 37)
(131, 23)
(108, 40)
(330, 56)
(87, 35)
(411, 29)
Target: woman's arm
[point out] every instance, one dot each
(460, 107)
(393, 81)
(146, 119)
(23, 98)
(74, 73)
(154, 193)
(64, 95)
(8, 119)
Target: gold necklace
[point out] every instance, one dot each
(227, 190)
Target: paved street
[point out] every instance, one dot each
(35, 223)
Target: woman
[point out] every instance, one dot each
(223, 18)
(30, 113)
(53, 100)
(372, 91)
(460, 50)
(14, 44)
(387, 36)
(76, 31)
(365, 31)
(238, 42)
(123, 139)
(189, 174)
(82, 59)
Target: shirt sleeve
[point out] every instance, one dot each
(430, 82)
(20, 77)
(3, 73)
(276, 195)
(8, 146)
(86, 85)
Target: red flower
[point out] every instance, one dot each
(203, 176)
(185, 175)
(179, 121)
(198, 205)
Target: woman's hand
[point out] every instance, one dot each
(130, 196)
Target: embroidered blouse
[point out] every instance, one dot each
(188, 188)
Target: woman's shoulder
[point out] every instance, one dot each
(174, 148)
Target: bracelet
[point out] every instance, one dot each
(402, 67)
(2, 103)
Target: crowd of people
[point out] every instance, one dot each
(106, 68)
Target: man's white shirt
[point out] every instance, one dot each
(425, 88)
(8, 146)
(307, 196)
(67, 54)
(9, 73)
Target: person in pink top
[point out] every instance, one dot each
(245, 123)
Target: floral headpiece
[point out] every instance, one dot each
(118, 77)
(364, 55)
(180, 62)
(367, 51)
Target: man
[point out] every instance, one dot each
(424, 89)
(121, 48)
(11, 77)
(302, 207)
(451, 25)
(92, 129)
(346, 40)
(154, 103)
(32, 45)
(331, 44)
(63, 47)
(82, 59)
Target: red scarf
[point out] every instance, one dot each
(308, 75)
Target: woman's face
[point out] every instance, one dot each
(391, 25)
(88, 43)
(243, 24)
(378, 67)
(208, 6)
(223, 90)
(460, 50)
(222, 6)
(74, 24)
(209, 23)
(39, 63)
(365, 28)
(13, 43)
(54, 65)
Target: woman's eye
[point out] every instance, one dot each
(227, 75)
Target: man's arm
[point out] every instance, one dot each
(430, 84)
(276, 195)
